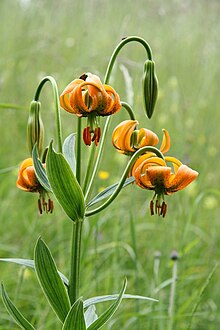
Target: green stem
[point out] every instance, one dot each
(89, 167)
(129, 110)
(78, 150)
(119, 47)
(57, 105)
(124, 176)
(172, 296)
(106, 80)
(73, 289)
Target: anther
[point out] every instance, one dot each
(83, 76)
(152, 207)
(163, 209)
(50, 205)
(39, 206)
(97, 135)
(87, 136)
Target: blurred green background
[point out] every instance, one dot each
(64, 39)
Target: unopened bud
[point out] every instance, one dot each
(150, 87)
(35, 128)
(174, 255)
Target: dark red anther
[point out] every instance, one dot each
(83, 76)
(50, 205)
(39, 206)
(87, 136)
(152, 207)
(96, 135)
(163, 209)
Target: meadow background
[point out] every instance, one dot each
(64, 39)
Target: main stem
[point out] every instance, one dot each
(74, 279)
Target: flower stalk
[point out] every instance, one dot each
(57, 105)
(126, 106)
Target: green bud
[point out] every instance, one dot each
(35, 128)
(150, 87)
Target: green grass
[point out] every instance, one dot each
(64, 39)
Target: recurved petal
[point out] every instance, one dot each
(95, 83)
(165, 145)
(141, 159)
(76, 102)
(184, 176)
(65, 102)
(146, 137)
(121, 135)
(114, 104)
(72, 85)
(141, 178)
(175, 162)
(66, 94)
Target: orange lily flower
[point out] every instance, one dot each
(154, 174)
(88, 97)
(127, 139)
(27, 181)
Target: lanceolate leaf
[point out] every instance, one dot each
(75, 318)
(108, 192)
(40, 170)
(65, 185)
(69, 151)
(100, 299)
(90, 315)
(104, 317)
(30, 263)
(50, 280)
(14, 312)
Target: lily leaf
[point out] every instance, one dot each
(30, 263)
(40, 170)
(50, 281)
(65, 185)
(90, 315)
(14, 312)
(69, 151)
(99, 299)
(105, 316)
(75, 318)
(108, 192)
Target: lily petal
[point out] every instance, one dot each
(184, 176)
(165, 145)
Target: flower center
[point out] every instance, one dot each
(159, 206)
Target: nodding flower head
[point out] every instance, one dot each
(88, 97)
(152, 173)
(27, 181)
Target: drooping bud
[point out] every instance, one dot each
(150, 87)
(35, 128)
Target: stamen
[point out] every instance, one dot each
(44, 204)
(87, 136)
(163, 209)
(39, 206)
(157, 207)
(50, 205)
(97, 135)
(152, 207)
